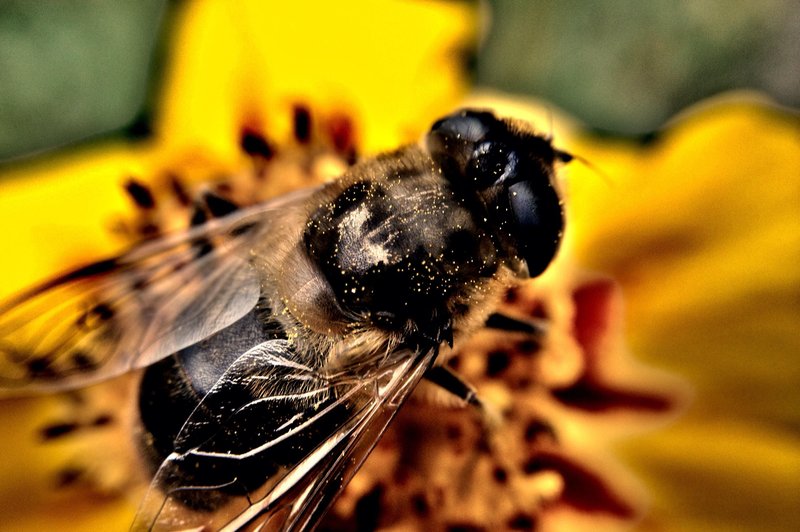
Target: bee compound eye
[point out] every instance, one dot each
(539, 223)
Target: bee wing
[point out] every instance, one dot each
(270, 416)
(129, 311)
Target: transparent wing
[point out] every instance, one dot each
(129, 311)
(274, 442)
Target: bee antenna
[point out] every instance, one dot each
(562, 156)
(566, 157)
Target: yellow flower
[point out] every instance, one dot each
(699, 228)
(233, 67)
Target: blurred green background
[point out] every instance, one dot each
(626, 66)
(74, 70)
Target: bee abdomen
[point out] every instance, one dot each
(212, 456)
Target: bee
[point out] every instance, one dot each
(278, 341)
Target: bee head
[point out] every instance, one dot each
(510, 172)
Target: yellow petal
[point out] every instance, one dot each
(394, 66)
(56, 214)
(701, 228)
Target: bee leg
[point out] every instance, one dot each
(489, 416)
(502, 322)
(453, 383)
(450, 381)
